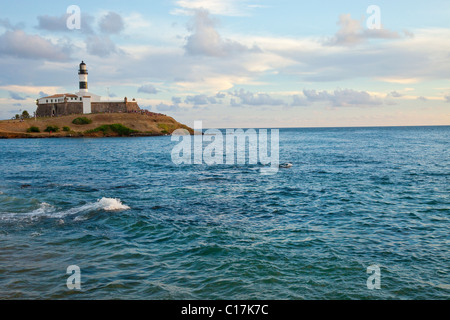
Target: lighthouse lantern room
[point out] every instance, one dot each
(83, 76)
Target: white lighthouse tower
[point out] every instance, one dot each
(84, 95)
(83, 75)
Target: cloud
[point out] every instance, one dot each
(342, 98)
(162, 107)
(59, 23)
(176, 100)
(252, 99)
(385, 61)
(421, 98)
(111, 23)
(353, 32)
(5, 23)
(30, 90)
(148, 88)
(447, 98)
(395, 94)
(16, 96)
(217, 7)
(299, 101)
(21, 45)
(200, 100)
(101, 46)
(205, 40)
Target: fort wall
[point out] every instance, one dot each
(68, 108)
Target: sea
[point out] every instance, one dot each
(363, 213)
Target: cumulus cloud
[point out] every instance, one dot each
(255, 99)
(148, 88)
(111, 23)
(5, 23)
(395, 94)
(342, 98)
(162, 107)
(353, 31)
(16, 96)
(101, 46)
(200, 100)
(447, 98)
(205, 40)
(19, 44)
(59, 23)
(299, 101)
(176, 100)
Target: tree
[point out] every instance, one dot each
(25, 115)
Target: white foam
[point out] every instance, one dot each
(44, 209)
(47, 210)
(109, 204)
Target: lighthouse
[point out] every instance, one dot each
(82, 102)
(83, 76)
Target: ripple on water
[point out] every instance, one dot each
(140, 227)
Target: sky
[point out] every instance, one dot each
(237, 63)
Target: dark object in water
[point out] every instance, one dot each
(286, 165)
(25, 186)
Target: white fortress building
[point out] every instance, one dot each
(82, 102)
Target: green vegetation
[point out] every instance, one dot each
(121, 130)
(82, 121)
(25, 115)
(66, 129)
(166, 128)
(33, 129)
(52, 129)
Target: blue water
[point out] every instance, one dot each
(140, 227)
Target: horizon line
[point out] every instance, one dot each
(338, 127)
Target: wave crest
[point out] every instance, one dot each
(110, 204)
(48, 211)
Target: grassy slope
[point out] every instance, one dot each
(147, 125)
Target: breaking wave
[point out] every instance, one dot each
(48, 211)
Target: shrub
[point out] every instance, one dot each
(33, 129)
(82, 121)
(166, 128)
(67, 129)
(25, 115)
(120, 129)
(52, 129)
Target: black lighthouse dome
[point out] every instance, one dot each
(83, 69)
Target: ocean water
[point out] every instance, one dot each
(140, 227)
